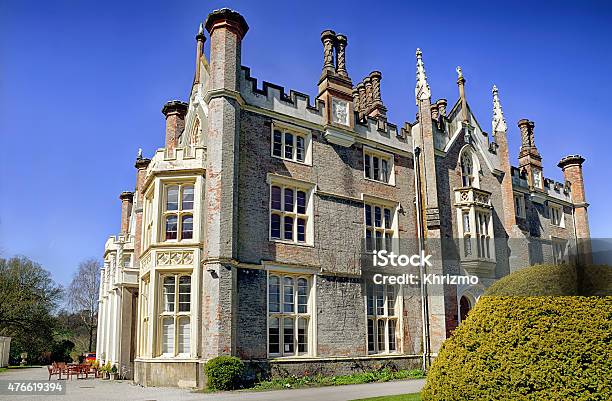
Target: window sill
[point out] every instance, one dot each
(280, 241)
(379, 182)
(304, 163)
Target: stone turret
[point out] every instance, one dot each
(227, 29)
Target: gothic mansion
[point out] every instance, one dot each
(244, 232)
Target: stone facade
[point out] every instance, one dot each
(248, 228)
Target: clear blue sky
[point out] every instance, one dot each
(83, 83)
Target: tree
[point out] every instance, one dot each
(83, 295)
(28, 297)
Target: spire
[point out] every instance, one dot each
(499, 122)
(422, 91)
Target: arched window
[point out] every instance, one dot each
(464, 308)
(469, 168)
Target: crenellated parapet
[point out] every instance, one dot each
(187, 159)
(274, 98)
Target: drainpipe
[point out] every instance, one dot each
(421, 234)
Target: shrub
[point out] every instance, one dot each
(529, 347)
(224, 372)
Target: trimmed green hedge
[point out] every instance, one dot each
(224, 372)
(529, 347)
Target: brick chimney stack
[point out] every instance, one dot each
(141, 167)
(127, 199)
(572, 171)
(530, 161)
(175, 112)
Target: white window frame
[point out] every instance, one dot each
(371, 153)
(180, 213)
(296, 131)
(149, 220)
(385, 317)
(557, 217)
(296, 315)
(393, 230)
(176, 315)
(145, 319)
(519, 205)
(295, 185)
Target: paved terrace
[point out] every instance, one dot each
(105, 390)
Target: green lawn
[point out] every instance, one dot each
(383, 375)
(400, 397)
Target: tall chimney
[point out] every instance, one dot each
(530, 160)
(127, 199)
(141, 167)
(572, 171)
(175, 112)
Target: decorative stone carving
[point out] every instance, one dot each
(341, 43)
(340, 111)
(422, 91)
(459, 73)
(173, 258)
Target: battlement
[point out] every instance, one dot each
(273, 97)
(553, 189)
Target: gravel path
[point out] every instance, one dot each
(105, 390)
